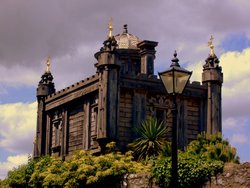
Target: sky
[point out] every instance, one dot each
(71, 32)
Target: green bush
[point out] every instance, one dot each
(203, 158)
(19, 177)
(81, 170)
(213, 147)
(193, 170)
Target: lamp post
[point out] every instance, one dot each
(175, 80)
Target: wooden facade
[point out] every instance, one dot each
(124, 92)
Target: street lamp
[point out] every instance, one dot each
(175, 80)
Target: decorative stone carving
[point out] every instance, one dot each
(158, 101)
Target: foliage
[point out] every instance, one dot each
(213, 147)
(203, 158)
(3, 183)
(19, 177)
(152, 139)
(193, 170)
(81, 170)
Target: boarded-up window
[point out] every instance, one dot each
(75, 137)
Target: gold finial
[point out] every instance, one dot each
(48, 65)
(110, 28)
(211, 46)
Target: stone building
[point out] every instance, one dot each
(123, 92)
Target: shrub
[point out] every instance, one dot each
(213, 147)
(81, 170)
(20, 176)
(152, 139)
(193, 170)
(203, 158)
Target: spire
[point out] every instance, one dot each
(48, 65)
(211, 46)
(110, 28)
(212, 61)
(47, 76)
(175, 60)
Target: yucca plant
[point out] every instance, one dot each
(151, 141)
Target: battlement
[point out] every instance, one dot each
(73, 87)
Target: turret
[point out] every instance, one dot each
(147, 53)
(109, 71)
(212, 77)
(45, 88)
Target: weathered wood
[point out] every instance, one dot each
(71, 96)
(76, 117)
(111, 103)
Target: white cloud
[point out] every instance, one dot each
(239, 138)
(231, 123)
(12, 162)
(236, 68)
(17, 126)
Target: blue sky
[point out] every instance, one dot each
(72, 31)
(235, 42)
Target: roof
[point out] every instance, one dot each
(126, 40)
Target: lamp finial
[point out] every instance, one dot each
(175, 60)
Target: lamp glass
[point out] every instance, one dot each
(175, 80)
(181, 79)
(167, 79)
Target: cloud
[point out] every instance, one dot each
(239, 138)
(18, 76)
(233, 124)
(71, 32)
(12, 162)
(32, 30)
(17, 125)
(235, 88)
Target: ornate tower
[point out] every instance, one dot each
(212, 76)
(45, 88)
(108, 71)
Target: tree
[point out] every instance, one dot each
(152, 139)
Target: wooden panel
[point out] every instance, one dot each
(193, 119)
(71, 96)
(93, 127)
(75, 122)
(125, 119)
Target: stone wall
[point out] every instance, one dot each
(234, 175)
(141, 180)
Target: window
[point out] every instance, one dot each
(160, 114)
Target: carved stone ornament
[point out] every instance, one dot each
(158, 101)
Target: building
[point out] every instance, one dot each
(123, 92)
